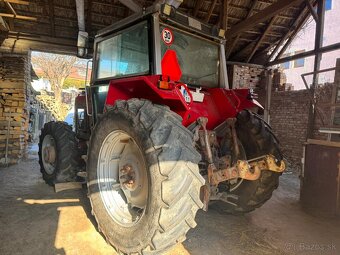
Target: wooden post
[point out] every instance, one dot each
(335, 91)
(318, 44)
(269, 86)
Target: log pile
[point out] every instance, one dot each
(14, 80)
(245, 76)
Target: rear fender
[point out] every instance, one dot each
(145, 87)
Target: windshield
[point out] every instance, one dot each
(198, 58)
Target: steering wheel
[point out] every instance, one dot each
(178, 86)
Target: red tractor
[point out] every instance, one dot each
(159, 133)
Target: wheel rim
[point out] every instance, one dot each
(49, 154)
(122, 178)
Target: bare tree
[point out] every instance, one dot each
(56, 68)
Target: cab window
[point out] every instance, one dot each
(125, 54)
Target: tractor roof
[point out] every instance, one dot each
(176, 18)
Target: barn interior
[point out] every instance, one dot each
(302, 217)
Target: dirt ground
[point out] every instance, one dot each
(36, 220)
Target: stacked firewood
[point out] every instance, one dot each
(14, 118)
(245, 76)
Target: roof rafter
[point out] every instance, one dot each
(6, 15)
(232, 45)
(259, 41)
(211, 9)
(15, 2)
(131, 4)
(198, 6)
(261, 16)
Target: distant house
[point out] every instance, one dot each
(304, 41)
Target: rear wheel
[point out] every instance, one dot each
(58, 153)
(143, 177)
(257, 140)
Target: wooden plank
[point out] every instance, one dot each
(259, 41)
(311, 10)
(232, 45)
(291, 36)
(16, 2)
(67, 186)
(7, 15)
(305, 54)
(198, 6)
(131, 4)
(211, 9)
(323, 142)
(261, 16)
(13, 123)
(51, 14)
(11, 85)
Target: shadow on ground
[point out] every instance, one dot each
(36, 220)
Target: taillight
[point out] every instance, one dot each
(164, 82)
(164, 85)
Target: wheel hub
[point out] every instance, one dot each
(127, 177)
(49, 154)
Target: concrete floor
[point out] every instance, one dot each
(36, 220)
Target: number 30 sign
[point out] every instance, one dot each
(167, 36)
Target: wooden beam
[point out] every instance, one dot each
(198, 6)
(311, 10)
(6, 15)
(259, 41)
(211, 9)
(16, 2)
(10, 7)
(232, 45)
(132, 5)
(292, 36)
(89, 16)
(3, 25)
(265, 50)
(319, 32)
(293, 26)
(51, 15)
(261, 16)
(243, 50)
(328, 48)
(225, 14)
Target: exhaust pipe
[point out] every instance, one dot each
(83, 36)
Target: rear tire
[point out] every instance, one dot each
(257, 139)
(66, 156)
(173, 177)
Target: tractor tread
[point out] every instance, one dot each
(258, 139)
(68, 158)
(178, 168)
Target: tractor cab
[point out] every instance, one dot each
(163, 45)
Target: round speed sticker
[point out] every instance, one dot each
(167, 36)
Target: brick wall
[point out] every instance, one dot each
(289, 119)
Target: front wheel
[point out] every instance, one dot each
(143, 177)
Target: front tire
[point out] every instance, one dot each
(172, 182)
(59, 158)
